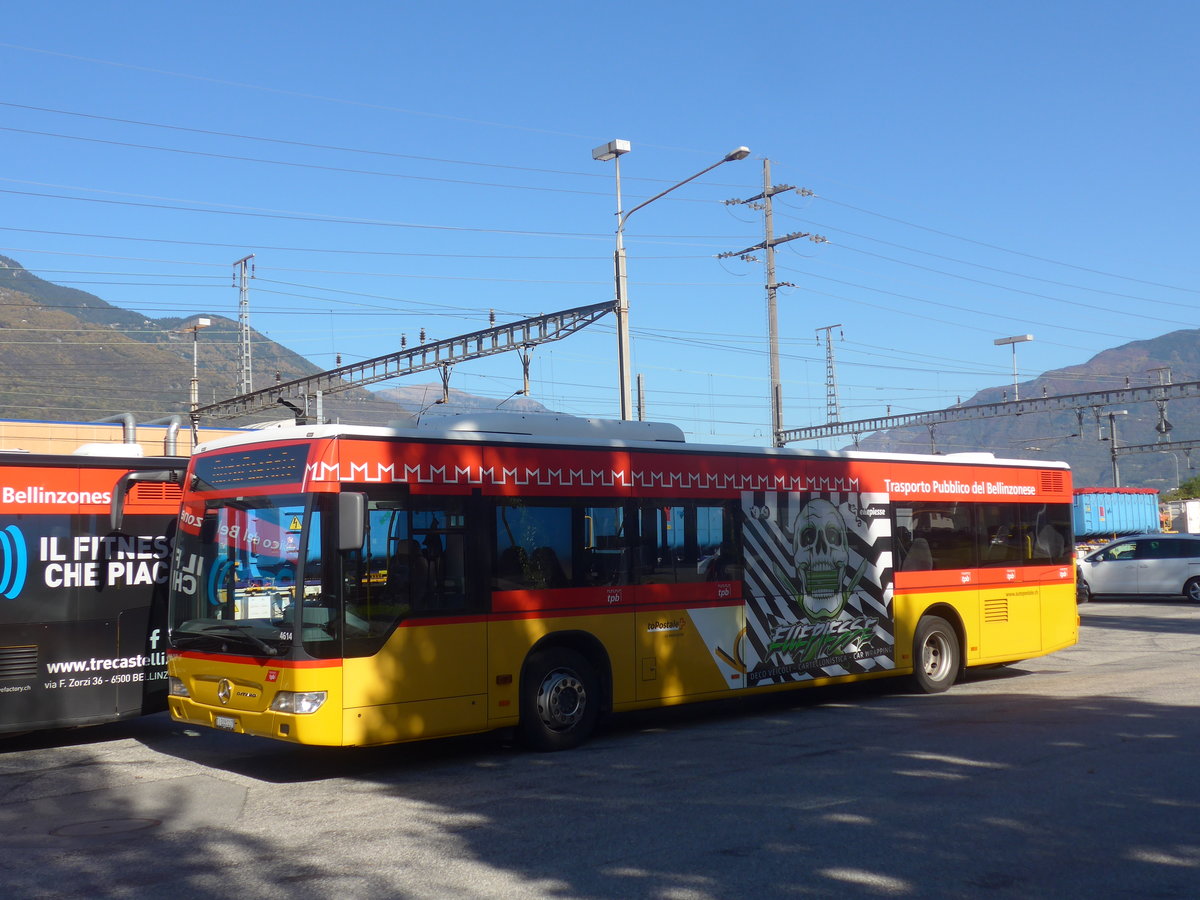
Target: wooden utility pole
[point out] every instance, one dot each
(769, 244)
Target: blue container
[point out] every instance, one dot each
(1105, 512)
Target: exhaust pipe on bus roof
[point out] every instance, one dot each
(128, 421)
(171, 438)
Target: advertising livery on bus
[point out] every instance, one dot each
(83, 625)
(355, 586)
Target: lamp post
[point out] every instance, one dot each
(194, 329)
(1112, 446)
(1171, 453)
(1014, 340)
(614, 150)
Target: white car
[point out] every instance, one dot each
(1144, 565)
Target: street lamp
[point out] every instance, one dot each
(1014, 340)
(194, 329)
(614, 150)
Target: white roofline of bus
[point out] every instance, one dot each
(105, 448)
(574, 431)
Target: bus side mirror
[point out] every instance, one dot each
(116, 511)
(352, 520)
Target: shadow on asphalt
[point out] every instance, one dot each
(861, 790)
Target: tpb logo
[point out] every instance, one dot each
(14, 562)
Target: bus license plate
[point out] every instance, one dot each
(226, 722)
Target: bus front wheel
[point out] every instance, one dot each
(936, 655)
(560, 700)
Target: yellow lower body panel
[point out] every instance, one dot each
(237, 697)
(316, 729)
(394, 723)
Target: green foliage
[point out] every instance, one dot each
(1187, 490)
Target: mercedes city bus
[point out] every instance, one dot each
(335, 585)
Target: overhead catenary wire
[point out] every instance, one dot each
(966, 310)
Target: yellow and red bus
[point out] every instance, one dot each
(83, 605)
(349, 586)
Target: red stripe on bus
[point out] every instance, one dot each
(965, 579)
(639, 595)
(625, 609)
(958, 588)
(530, 470)
(268, 663)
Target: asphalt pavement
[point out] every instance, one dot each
(1072, 775)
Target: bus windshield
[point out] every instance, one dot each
(235, 577)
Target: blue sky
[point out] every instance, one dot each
(979, 171)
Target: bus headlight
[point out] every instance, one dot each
(176, 687)
(298, 702)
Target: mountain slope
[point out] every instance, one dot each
(1077, 438)
(70, 356)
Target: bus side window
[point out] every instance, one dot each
(685, 541)
(1004, 538)
(1050, 544)
(1053, 524)
(533, 549)
(412, 562)
(919, 558)
(601, 546)
(933, 536)
(373, 599)
(407, 576)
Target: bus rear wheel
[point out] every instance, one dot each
(936, 655)
(560, 700)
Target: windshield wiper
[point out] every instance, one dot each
(240, 630)
(190, 638)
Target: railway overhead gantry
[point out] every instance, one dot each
(1078, 403)
(515, 336)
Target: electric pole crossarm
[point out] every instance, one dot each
(766, 194)
(763, 245)
(1178, 391)
(476, 345)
